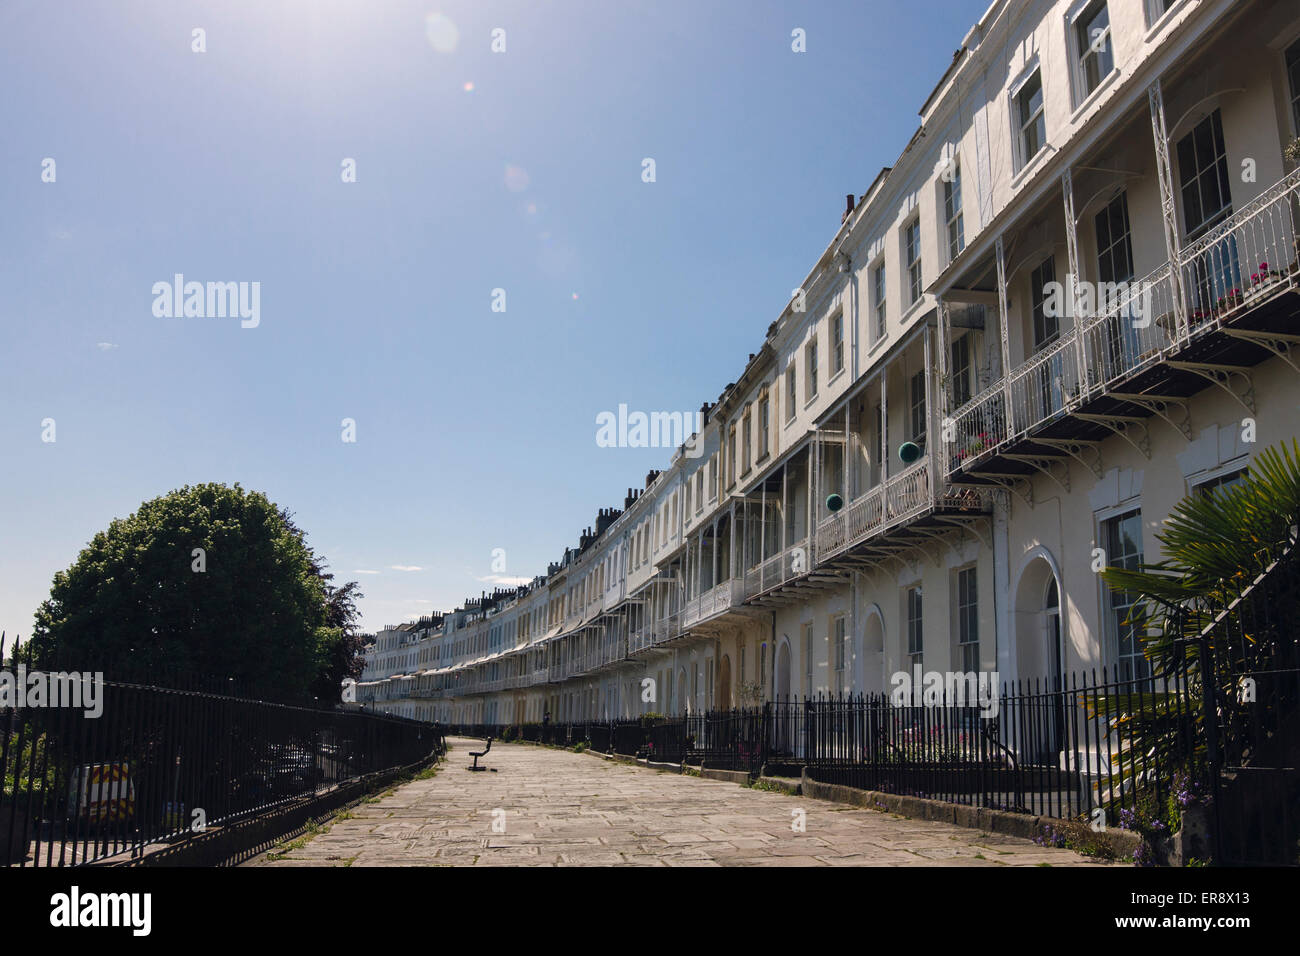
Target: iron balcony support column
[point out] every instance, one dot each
(848, 456)
(699, 564)
(1072, 254)
(810, 518)
(1004, 331)
(929, 413)
(941, 409)
(1168, 207)
(715, 558)
(884, 422)
(785, 498)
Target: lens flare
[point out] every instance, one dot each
(441, 33)
(516, 179)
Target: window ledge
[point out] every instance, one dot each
(911, 311)
(1092, 98)
(842, 370)
(1160, 22)
(1025, 171)
(810, 403)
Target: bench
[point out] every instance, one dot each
(481, 753)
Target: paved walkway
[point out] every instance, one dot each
(565, 809)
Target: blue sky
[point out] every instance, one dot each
(475, 429)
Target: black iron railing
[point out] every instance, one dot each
(157, 766)
(1059, 750)
(1248, 737)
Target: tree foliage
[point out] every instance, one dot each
(262, 610)
(1218, 550)
(1213, 546)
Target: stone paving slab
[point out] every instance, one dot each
(565, 809)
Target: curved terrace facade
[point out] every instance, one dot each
(1072, 300)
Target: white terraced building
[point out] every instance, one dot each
(1135, 143)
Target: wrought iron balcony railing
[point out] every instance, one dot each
(887, 505)
(1252, 256)
(772, 572)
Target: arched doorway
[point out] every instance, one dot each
(723, 696)
(1040, 658)
(1036, 656)
(783, 671)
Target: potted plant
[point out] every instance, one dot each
(1261, 279)
(750, 693)
(1226, 303)
(1291, 153)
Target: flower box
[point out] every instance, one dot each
(1226, 303)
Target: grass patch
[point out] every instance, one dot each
(282, 850)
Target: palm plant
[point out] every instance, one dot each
(1211, 592)
(1215, 544)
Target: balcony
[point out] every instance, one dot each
(717, 600)
(1222, 307)
(776, 571)
(889, 504)
(640, 640)
(668, 628)
(610, 651)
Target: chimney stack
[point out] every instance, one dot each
(848, 207)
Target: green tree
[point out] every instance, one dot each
(339, 644)
(255, 605)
